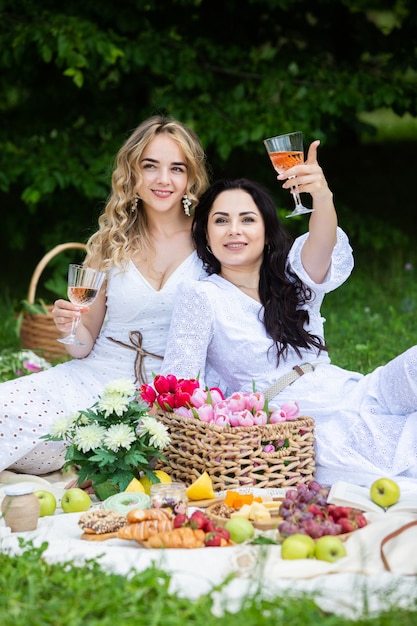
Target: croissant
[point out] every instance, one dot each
(141, 531)
(139, 515)
(178, 538)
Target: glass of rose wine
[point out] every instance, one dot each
(285, 151)
(84, 283)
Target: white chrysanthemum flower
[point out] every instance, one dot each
(113, 403)
(62, 425)
(89, 437)
(121, 387)
(119, 436)
(158, 433)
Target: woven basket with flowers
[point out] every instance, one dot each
(236, 440)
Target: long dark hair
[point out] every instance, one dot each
(281, 292)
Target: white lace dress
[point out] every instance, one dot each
(366, 426)
(29, 405)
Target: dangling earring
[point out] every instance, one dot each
(268, 248)
(135, 204)
(186, 203)
(208, 248)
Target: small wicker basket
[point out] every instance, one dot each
(38, 331)
(234, 457)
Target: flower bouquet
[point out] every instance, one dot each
(115, 440)
(237, 440)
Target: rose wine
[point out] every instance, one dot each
(284, 160)
(82, 295)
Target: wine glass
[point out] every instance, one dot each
(285, 151)
(84, 283)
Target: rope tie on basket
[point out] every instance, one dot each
(288, 379)
(136, 339)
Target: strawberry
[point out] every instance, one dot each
(347, 524)
(213, 539)
(316, 511)
(180, 520)
(337, 512)
(198, 520)
(223, 533)
(209, 526)
(361, 520)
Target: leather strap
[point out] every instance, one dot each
(395, 533)
(136, 340)
(288, 378)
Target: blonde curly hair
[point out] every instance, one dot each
(123, 231)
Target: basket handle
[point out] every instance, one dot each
(44, 262)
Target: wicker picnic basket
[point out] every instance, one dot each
(234, 457)
(38, 331)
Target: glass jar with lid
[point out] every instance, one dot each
(169, 496)
(20, 507)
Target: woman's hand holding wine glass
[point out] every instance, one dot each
(286, 151)
(84, 284)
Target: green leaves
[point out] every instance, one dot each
(75, 79)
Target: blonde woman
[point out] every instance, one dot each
(144, 245)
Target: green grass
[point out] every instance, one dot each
(41, 594)
(370, 320)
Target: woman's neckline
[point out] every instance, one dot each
(238, 285)
(249, 292)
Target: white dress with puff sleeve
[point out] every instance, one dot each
(366, 426)
(29, 405)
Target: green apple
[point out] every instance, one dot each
(47, 501)
(240, 529)
(75, 500)
(385, 492)
(297, 546)
(329, 548)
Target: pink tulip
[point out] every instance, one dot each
(260, 418)
(255, 401)
(198, 397)
(223, 405)
(184, 412)
(221, 413)
(205, 413)
(216, 395)
(245, 418)
(290, 409)
(236, 402)
(234, 419)
(276, 416)
(221, 420)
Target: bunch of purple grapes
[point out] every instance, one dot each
(304, 510)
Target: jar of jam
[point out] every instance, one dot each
(169, 496)
(20, 507)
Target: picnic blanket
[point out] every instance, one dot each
(377, 572)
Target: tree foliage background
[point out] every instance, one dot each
(77, 77)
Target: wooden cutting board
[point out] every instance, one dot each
(96, 537)
(202, 504)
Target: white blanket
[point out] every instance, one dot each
(337, 587)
